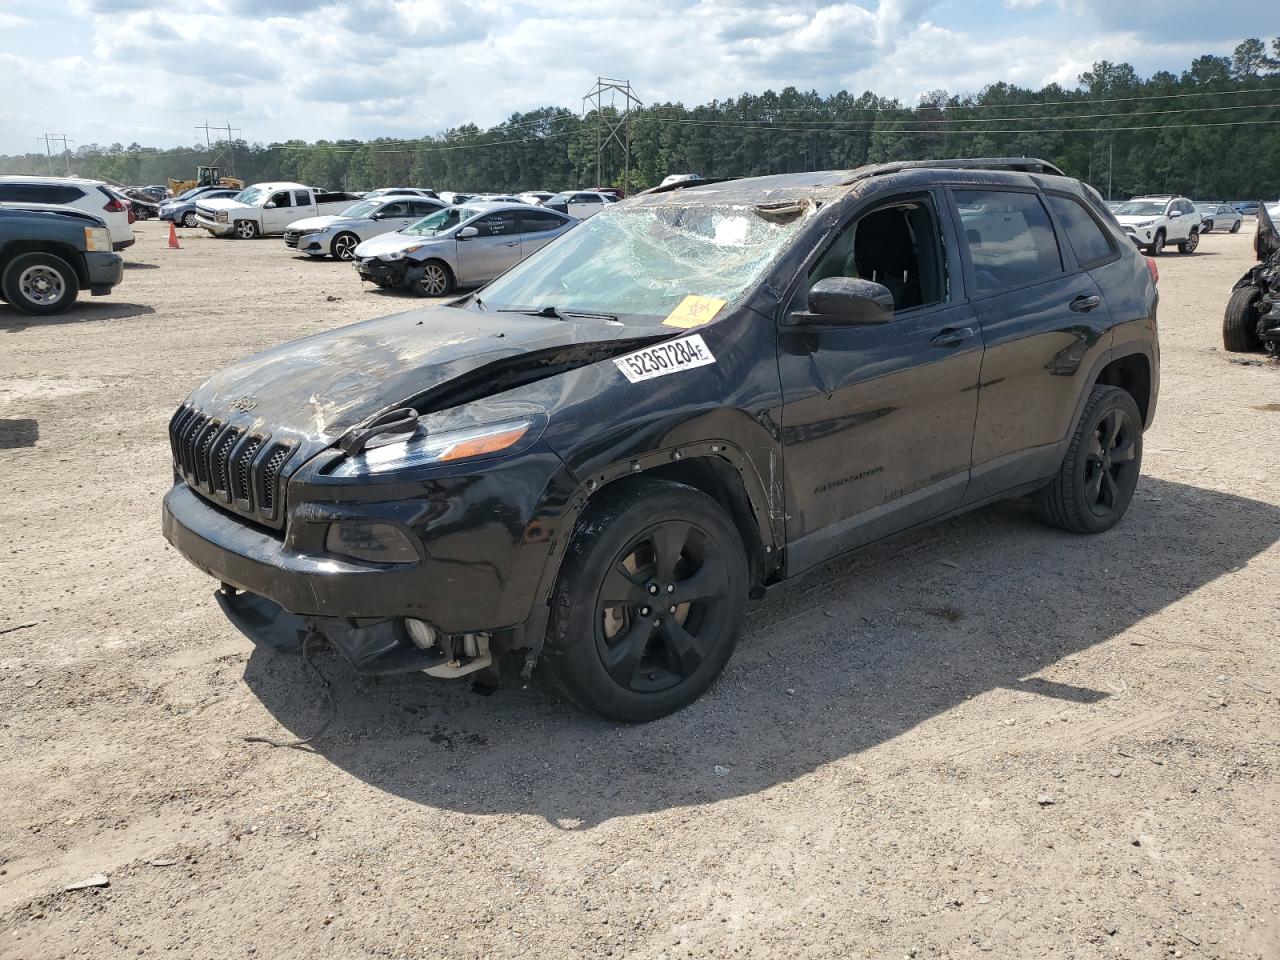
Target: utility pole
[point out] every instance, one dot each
(607, 131)
(230, 142)
(49, 139)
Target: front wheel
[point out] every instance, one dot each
(40, 284)
(436, 280)
(1095, 483)
(189, 219)
(1235, 227)
(1156, 246)
(344, 246)
(246, 229)
(1189, 245)
(649, 601)
(1240, 321)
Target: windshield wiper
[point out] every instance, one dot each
(555, 313)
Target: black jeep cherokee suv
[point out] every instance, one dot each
(701, 391)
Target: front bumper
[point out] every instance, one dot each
(387, 271)
(483, 535)
(1141, 235)
(215, 227)
(104, 270)
(312, 244)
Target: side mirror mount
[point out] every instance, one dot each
(1175, 213)
(269, 205)
(466, 233)
(845, 301)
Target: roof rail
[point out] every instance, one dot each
(1014, 164)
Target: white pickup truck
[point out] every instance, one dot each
(267, 208)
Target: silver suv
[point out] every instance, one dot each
(1154, 222)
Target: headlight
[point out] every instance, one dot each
(221, 216)
(97, 238)
(401, 254)
(1144, 223)
(435, 448)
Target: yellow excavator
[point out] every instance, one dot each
(205, 177)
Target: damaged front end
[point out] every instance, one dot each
(1256, 295)
(386, 485)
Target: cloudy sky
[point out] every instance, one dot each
(150, 70)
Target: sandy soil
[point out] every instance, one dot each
(986, 738)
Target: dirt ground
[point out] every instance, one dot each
(985, 738)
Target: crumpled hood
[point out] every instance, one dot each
(318, 388)
(380, 246)
(316, 224)
(1266, 241)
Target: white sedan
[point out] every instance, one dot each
(338, 236)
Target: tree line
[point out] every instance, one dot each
(1211, 131)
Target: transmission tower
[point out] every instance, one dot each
(228, 147)
(616, 129)
(49, 139)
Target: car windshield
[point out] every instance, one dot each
(439, 221)
(361, 210)
(249, 196)
(1141, 208)
(1207, 207)
(188, 194)
(639, 262)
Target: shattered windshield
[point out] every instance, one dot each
(1141, 208)
(641, 261)
(439, 221)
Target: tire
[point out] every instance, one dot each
(436, 280)
(1095, 483)
(1189, 245)
(1207, 227)
(246, 229)
(1156, 246)
(189, 219)
(343, 246)
(40, 284)
(383, 282)
(1235, 227)
(1240, 321)
(638, 660)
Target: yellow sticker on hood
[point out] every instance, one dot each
(693, 311)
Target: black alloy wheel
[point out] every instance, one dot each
(649, 601)
(1095, 483)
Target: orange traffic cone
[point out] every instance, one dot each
(173, 238)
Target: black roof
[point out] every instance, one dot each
(827, 184)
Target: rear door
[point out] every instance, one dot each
(1044, 322)
(495, 250)
(538, 228)
(394, 216)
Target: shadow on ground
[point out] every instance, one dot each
(22, 432)
(84, 311)
(829, 665)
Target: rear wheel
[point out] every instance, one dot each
(436, 280)
(1189, 245)
(1156, 246)
(40, 284)
(344, 246)
(1240, 321)
(246, 229)
(1095, 483)
(649, 602)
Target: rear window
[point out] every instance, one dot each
(1088, 240)
(1010, 238)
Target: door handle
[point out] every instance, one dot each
(952, 336)
(511, 244)
(1083, 304)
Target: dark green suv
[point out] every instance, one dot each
(49, 254)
